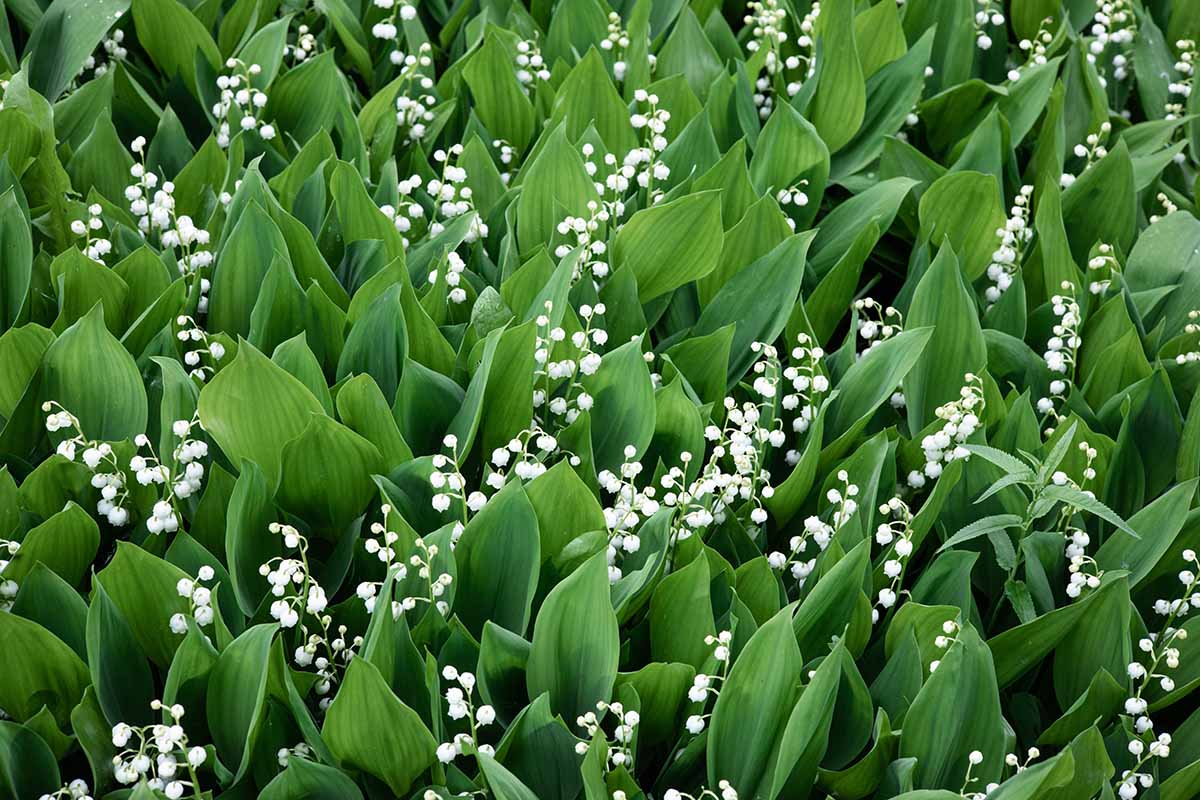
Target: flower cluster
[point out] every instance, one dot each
(1060, 355)
(460, 705)
(525, 456)
(877, 323)
(1180, 90)
(190, 333)
(735, 472)
(765, 19)
(557, 386)
(1114, 23)
(199, 600)
(897, 535)
(305, 46)
(240, 103)
(531, 67)
(183, 482)
(300, 597)
(449, 484)
(99, 457)
(387, 29)
(724, 791)
(1191, 328)
(806, 58)
(75, 790)
(1083, 571)
(1161, 655)
(113, 50)
(945, 640)
(974, 759)
(616, 41)
(421, 559)
(989, 13)
(808, 385)
(1105, 267)
(448, 198)
(414, 104)
(1168, 207)
(705, 686)
(587, 233)
(818, 531)
(628, 508)
(1036, 49)
(160, 751)
(620, 754)
(8, 588)
(1092, 149)
(1010, 252)
(960, 419)
(154, 207)
(643, 164)
(94, 247)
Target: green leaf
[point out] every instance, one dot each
(873, 378)
(230, 406)
(498, 557)
(142, 587)
(500, 101)
(671, 244)
(956, 348)
(758, 301)
(368, 728)
(120, 672)
(562, 188)
(89, 373)
(575, 642)
(753, 709)
(840, 103)
(623, 413)
(65, 36)
(39, 670)
(956, 711)
(66, 543)
(16, 259)
(964, 209)
(173, 37)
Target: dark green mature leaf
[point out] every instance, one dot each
(956, 711)
(39, 671)
(956, 349)
(753, 709)
(16, 259)
(498, 557)
(575, 641)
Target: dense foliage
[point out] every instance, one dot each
(663, 399)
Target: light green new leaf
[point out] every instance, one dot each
(956, 711)
(965, 209)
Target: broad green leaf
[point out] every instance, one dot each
(234, 407)
(671, 244)
(575, 642)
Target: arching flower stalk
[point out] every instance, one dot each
(706, 686)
